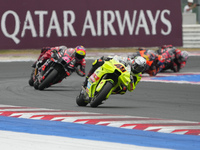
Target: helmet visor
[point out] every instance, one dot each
(183, 58)
(78, 56)
(138, 68)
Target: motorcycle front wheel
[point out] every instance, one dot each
(80, 100)
(46, 82)
(101, 95)
(36, 84)
(31, 81)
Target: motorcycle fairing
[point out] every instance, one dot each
(117, 74)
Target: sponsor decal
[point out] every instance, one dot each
(94, 77)
(28, 25)
(104, 26)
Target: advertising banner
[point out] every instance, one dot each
(27, 24)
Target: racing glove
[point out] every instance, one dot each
(39, 63)
(71, 66)
(175, 67)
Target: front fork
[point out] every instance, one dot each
(85, 95)
(100, 86)
(43, 71)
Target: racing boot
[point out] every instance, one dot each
(120, 89)
(85, 82)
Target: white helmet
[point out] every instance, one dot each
(138, 64)
(184, 56)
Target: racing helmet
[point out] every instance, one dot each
(184, 56)
(166, 46)
(141, 48)
(153, 55)
(80, 52)
(138, 64)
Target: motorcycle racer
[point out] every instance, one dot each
(173, 58)
(152, 65)
(76, 54)
(134, 66)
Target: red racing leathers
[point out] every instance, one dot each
(79, 65)
(171, 58)
(47, 52)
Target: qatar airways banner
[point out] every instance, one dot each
(92, 23)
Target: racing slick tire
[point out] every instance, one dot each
(101, 95)
(46, 82)
(80, 100)
(31, 81)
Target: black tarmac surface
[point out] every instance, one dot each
(155, 100)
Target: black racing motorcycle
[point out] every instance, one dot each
(58, 68)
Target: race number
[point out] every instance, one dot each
(121, 67)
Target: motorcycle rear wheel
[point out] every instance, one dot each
(46, 82)
(100, 96)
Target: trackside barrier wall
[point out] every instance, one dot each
(29, 24)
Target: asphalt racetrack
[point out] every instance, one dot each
(149, 99)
